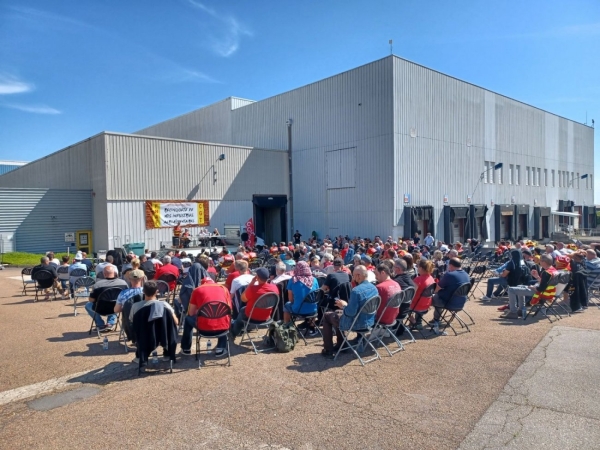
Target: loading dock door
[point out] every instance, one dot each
(270, 217)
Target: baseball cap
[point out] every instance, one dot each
(136, 274)
(367, 259)
(262, 273)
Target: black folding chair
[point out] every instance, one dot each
(341, 291)
(427, 293)
(44, 280)
(212, 310)
(265, 301)
(105, 306)
(169, 278)
(26, 272)
(593, 292)
(312, 298)
(407, 296)
(369, 307)
(449, 314)
(163, 291)
(548, 307)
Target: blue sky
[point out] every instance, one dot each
(70, 69)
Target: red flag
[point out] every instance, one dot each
(251, 236)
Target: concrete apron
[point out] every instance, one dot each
(552, 399)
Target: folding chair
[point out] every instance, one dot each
(560, 280)
(370, 307)
(265, 301)
(312, 298)
(63, 275)
(44, 280)
(169, 278)
(407, 296)
(84, 283)
(26, 282)
(593, 292)
(212, 310)
(461, 291)
(477, 275)
(125, 316)
(427, 293)
(387, 327)
(342, 291)
(163, 292)
(105, 306)
(149, 274)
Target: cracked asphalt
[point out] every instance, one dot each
(434, 395)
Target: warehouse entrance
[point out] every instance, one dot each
(504, 222)
(270, 217)
(523, 221)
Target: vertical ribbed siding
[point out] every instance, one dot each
(127, 223)
(209, 124)
(5, 168)
(142, 168)
(349, 110)
(457, 126)
(39, 218)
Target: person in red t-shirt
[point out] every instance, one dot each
(208, 291)
(257, 287)
(422, 281)
(387, 288)
(232, 276)
(168, 269)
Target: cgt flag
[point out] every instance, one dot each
(251, 236)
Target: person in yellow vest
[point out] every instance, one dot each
(177, 235)
(543, 290)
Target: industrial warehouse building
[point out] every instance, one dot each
(388, 148)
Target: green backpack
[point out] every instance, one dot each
(283, 335)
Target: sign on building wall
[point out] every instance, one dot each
(165, 213)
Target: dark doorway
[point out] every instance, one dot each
(504, 222)
(270, 217)
(541, 222)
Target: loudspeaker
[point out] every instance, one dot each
(244, 236)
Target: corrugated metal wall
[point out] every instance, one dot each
(37, 219)
(209, 124)
(127, 224)
(349, 110)
(80, 166)
(451, 128)
(164, 169)
(5, 168)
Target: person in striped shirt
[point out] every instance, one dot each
(591, 267)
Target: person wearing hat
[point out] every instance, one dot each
(77, 264)
(208, 291)
(127, 298)
(258, 286)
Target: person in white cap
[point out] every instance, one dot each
(77, 264)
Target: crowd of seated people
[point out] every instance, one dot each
(349, 271)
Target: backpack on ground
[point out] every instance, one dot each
(283, 335)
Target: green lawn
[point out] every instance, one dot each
(25, 259)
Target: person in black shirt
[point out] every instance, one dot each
(400, 274)
(146, 265)
(45, 266)
(416, 239)
(297, 237)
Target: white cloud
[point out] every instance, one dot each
(12, 85)
(228, 42)
(35, 109)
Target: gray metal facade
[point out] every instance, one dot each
(123, 171)
(7, 167)
(413, 131)
(36, 220)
